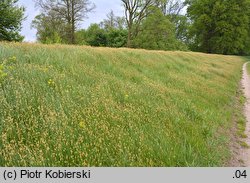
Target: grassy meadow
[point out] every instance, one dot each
(83, 106)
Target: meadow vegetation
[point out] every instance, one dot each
(84, 106)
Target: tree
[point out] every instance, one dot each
(219, 26)
(50, 28)
(95, 36)
(135, 12)
(171, 7)
(81, 37)
(115, 30)
(173, 10)
(110, 32)
(110, 22)
(11, 17)
(72, 11)
(113, 22)
(117, 38)
(182, 25)
(157, 33)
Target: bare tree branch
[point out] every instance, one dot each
(73, 11)
(135, 12)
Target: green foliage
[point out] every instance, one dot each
(11, 17)
(117, 37)
(50, 28)
(53, 38)
(157, 33)
(211, 26)
(81, 37)
(220, 26)
(63, 14)
(95, 36)
(181, 24)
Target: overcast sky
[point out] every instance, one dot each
(103, 7)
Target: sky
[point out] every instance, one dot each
(103, 7)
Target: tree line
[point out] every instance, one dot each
(210, 26)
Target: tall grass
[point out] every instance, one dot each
(83, 106)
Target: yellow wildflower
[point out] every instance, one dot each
(82, 124)
(51, 82)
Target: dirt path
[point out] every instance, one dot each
(246, 88)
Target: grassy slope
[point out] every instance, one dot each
(82, 106)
